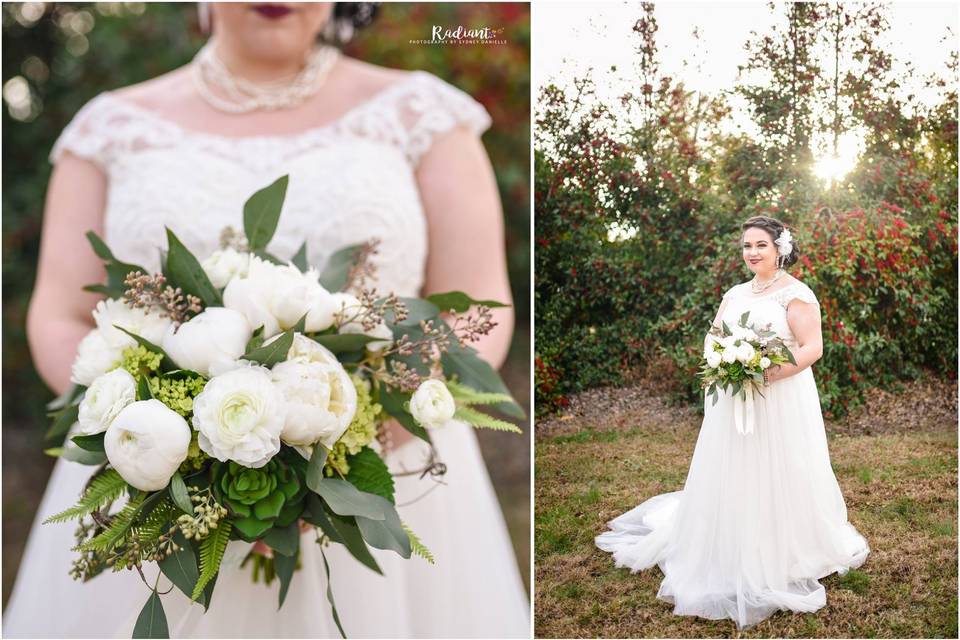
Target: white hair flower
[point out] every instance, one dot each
(784, 243)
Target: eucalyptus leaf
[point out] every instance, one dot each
(477, 373)
(261, 213)
(285, 565)
(152, 622)
(386, 534)
(89, 443)
(180, 567)
(179, 493)
(186, 272)
(82, 456)
(143, 389)
(63, 420)
(459, 302)
(272, 353)
(743, 318)
(334, 274)
(346, 500)
(343, 342)
(284, 540)
(333, 605)
(418, 309)
(299, 259)
(165, 362)
(315, 467)
(349, 532)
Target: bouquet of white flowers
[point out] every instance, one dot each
(240, 398)
(735, 359)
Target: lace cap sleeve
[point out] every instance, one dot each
(798, 291)
(434, 107)
(88, 135)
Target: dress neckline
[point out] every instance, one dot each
(361, 106)
(750, 295)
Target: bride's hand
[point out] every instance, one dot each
(397, 435)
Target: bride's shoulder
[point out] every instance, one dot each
(736, 289)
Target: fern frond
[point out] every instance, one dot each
(103, 490)
(211, 554)
(468, 395)
(120, 524)
(477, 419)
(155, 524)
(416, 545)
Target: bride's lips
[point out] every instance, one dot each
(272, 11)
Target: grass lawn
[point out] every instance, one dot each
(900, 485)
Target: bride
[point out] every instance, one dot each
(761, 517)
(371, 153)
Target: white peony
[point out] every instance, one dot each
(210, 343)
(239, 415)
(94, 358)
(277, 296)
(745, 352)
(351, 311)
(728, 341)
(765, 362)
(432, 405)
(224, 265)
(149, 326)
(320, 397)
(103, 401)
(729, 355)
(714, 358)
(146, 443)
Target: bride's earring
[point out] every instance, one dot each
(203, 16)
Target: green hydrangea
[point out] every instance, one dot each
(137, 360)
(195, 455)
(177, 393)
(360, 433)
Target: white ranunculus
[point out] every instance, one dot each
(320, 397)
(277, 296)
(103, 401)
(728, 341)
(432, 405)
(729, 355)
(224, 265)
(210, 343)
(146, 443)
(714, 358)
(239, 415)
(745, 352)
(149, 326)
(765, 362)
(95, 357)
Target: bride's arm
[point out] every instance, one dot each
(466, 249)
(804, 321)
(59, 313)
(716, 321)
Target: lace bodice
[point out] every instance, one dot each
(350, 181)
(766, 308)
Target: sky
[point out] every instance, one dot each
(570, 37)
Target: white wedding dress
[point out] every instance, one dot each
(350, 181)
(761, 517)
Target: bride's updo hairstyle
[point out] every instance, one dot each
(347, 19)
(774, 228)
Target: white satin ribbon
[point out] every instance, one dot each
(744, 411)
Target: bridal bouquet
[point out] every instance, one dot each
(240, 398)
(735, 359)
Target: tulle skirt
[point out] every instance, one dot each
(759, 520)
(473, 590)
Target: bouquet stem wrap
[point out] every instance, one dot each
(744, 413)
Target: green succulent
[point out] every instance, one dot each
(259, 499)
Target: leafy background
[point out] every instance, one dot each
(639, 203)
(57, 56)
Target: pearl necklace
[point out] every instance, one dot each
(244, 96)
(758, 287)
